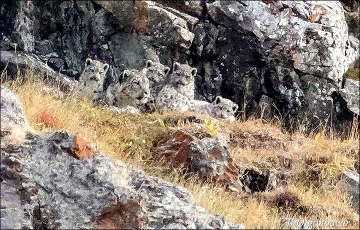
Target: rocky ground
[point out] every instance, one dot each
(78, 167)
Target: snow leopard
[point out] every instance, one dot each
(132, 89)
(220, 108)
(91, 80)
(177, 94)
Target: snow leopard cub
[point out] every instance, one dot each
(176, 95)
(221, 108)
(132, 89)
(91, 80)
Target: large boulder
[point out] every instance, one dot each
(206, 157)
(350, 93)
(124, 11)
(14, 126)
(209, 159)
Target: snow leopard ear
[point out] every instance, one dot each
(88, 62)
(106, 67)
(149, 63)
(217, 100)
(194, 72)
(176, 66)
(235, 108)
(166, 70)
(124, 76)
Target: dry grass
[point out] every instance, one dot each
(313, 165)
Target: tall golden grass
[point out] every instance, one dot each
(308, 192)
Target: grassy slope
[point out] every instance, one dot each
(316, 161)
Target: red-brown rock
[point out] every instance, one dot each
(121, 216)
(205, 157)
(81, 148)
(174, 149)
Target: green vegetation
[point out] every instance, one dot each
(354, 74)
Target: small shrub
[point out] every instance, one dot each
(210, 127)
(286, 201)
(354, 74)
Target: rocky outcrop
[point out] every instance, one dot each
(292, 53)
(350, 93)
(11, 64)
(210, 160)
(14, 126)
(57, 180)
(305, 47)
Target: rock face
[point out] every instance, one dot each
(305, 47)
(352, 15)
(11, 109)
(14, 126)
(350, 93)
(292, 53)
(57, 181)
(13, 63)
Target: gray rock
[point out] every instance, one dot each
(191, 21)
(75, 19)
(14, 126)
(128, 50)
(104, 24)
(167, 29)
(11, 109)
(23, 33)
(292, 45)
(350, 93)
(44, 47)
(20, 61)
(124, 11)
(57, 64)
(350, 183)
(12, 214)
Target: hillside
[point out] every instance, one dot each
(307, 168)
(179, 114)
